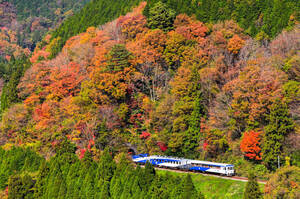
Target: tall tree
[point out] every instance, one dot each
(118, 58)
(250, 145)
(189, 190)
(280, 125)
(161, 17)
(252, 189)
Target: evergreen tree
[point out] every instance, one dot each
(252, 188)
(62, 190)
(148, 175)
(105, 194)
(161, 17)
(28, 185)
(40, 185)
(189, 190)
(193, 133)
(118, 58)
(280, 125)
(15, 187)
(106, 166)
(9, 94)
(20, 187)
(116, 188)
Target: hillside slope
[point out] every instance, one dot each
(164, 84)
(265, 18)
(30, 20)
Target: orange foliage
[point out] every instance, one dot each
(250, 145)
(72, 94)
(44, 115)
(88, 35)
(107, 87)
(35, 79)
(148, 47)
(39, 55)
(9, 45)
(65, 81)
(235, 44)
(181, 82)
(131, 26)
(254, 91)
(182, 20)
(191, 29)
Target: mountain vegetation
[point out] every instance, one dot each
(65, 176)
(263, 19)
(24, 23)
(220, 83)
(252, 189)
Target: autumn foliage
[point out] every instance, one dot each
(192, 89)
(250, 145)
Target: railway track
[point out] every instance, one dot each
(236, 178)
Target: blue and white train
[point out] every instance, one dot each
(185, 164)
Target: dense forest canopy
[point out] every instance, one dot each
(65, 176)
(264, 18)
(24, 23)
(44, 8)
(219, 82)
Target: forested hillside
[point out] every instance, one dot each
(65, 176)
(264, 19)
(156, 80)
(24, 23)
(103, 12)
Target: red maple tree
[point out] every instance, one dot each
(250, 145)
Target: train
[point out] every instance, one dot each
(185, 164)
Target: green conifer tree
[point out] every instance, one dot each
(147, 176)
(39, 187)
(189, 190)
(280, 125)
(20, 187)
(193, 133)
(15, 187)
(161, 17)
(105, 194)
(106, 166)
(118, 58)
(252, 189)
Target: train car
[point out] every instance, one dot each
(185, 164)
(161, 161)
(211, 167)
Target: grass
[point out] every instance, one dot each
(214, 187)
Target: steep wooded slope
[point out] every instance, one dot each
(266, 18)
(30, 20)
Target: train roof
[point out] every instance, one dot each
(168, 158)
